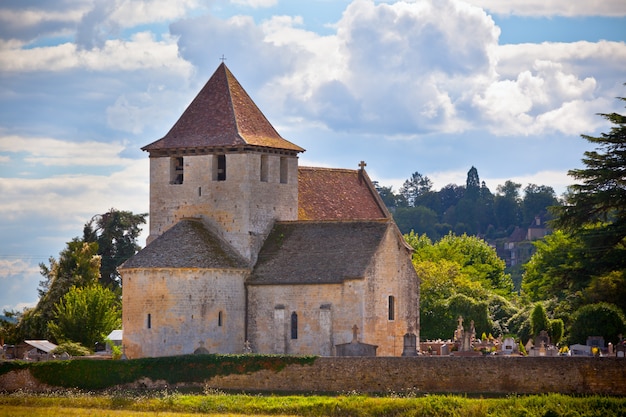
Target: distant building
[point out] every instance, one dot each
(250, 252)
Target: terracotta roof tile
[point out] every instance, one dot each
(337, 194)
(222, 114)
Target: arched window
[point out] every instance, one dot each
(392, 307)
(294, 325)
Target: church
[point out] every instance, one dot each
(249, 252)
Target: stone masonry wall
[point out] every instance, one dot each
(420, 375)
(471, 375)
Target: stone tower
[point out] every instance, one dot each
(224, 163)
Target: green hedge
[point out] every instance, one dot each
(99, 374)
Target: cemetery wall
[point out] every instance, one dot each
(418, 375)
(471, 375)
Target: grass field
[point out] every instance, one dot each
(170, 404)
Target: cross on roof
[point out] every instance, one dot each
(362, 165)
(222, 58)
(355, 332)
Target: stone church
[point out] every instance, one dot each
(248, 252)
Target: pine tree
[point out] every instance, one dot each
(595, 208)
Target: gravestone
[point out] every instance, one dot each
(355, 348)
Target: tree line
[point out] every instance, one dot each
(471, 208)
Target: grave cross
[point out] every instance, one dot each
(355, 332)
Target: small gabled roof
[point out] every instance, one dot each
(318, 252)
(187, 244)
(338, 194)
(221, 115)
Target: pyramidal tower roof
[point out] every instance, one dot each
(221, 115)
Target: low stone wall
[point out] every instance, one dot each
(471, 375)
(490, 375)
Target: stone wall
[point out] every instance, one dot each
(419, 375)
(471, 375)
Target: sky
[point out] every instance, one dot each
(428, 86)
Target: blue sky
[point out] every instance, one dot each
(435, 86)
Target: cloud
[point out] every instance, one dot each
(49, 151)
(553, 7)
(143, 51)
(256, 3)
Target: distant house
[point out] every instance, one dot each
(537, 229)
(250, 252)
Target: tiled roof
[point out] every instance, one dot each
(318, 252)
(337, 194)
(187, 244)
(221, 115)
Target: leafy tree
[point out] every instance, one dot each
(414, 187)
(507, 205)
(599, 199)
(78, 265)
(557, 329)
(559, 268)
(600, 319)
(450, 195)
(8, 327)
(456, 279)
(537, 199)
(420, 219)
(86, 315)
(539, 320)
(116, 234)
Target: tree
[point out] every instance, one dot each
(86, 315)
(414, 187)
(539, 320)
(457, 277)
(537, 199)
(116, 233)
(472, 184)
(507, 205)
(600, 319)
(557, 329)
(599, 198)
(78, 265)
(419, 219)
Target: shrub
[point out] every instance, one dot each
(72, 349)
(600, 319)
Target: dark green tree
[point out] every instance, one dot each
(472, 184)
(419, 219)
(507, 205)
(595, 207)
(539, 320)
(557, 329)
(537, 199)
(116, 234)
(414, 187)
(600, 319)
